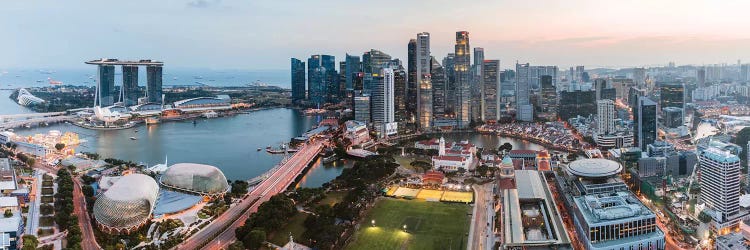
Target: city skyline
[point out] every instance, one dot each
(242, 35)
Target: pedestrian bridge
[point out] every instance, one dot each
(8, 118)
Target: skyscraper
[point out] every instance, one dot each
(477, 93)
(298, 80)
(321, 76)
(599, 85)
(412, 88)
(549, 98)
(400, 87)
(605, 114)
(129, 85)
(353, 65)
(374, 60)
(362, 108)
(720, 188)
(700, 74)
(449, 62)
(382, 103)
(645, 125)
(524, 110)
(672, 95)
(490, 105)
(462, 78)
(437, 74)
(424, 102)
(580, 70)
(639, 77)
(154, 84)
(105, 86)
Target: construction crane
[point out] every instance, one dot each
(690, 185)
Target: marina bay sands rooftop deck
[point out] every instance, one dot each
(105, 61)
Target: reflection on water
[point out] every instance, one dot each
(228, 143)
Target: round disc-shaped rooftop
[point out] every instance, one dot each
(594, 168)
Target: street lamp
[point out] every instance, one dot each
(404, 227)
(372, 222)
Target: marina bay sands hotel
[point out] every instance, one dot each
(105, 82)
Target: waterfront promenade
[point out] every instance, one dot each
(220, 232)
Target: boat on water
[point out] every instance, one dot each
(259, 149)
(210, 114)
(133, 138)
(151, 121)
(315, 111)
(329, 159)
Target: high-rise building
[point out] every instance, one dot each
(700, 76)
(599, 85)
(462, 78)
(672, 117)
(720, 188)
(490, 104)
(342, 79)
(744, 72)
(639, 77)
(424, 92)
(353, 65)
(524, 110)
(605, 113)
(412, 88)
(321, 78)
(645, 122)
(477, 94)
(400, 94)
(536, 73)
(449, 63)
(382, 105)
(549, 98)
(374, 60)
(298, 80)
(576, 103)
(672, 95)
(362, 108)
(105, 86)
(579, 74)
(437, 73)
(154, 84)
(129, 85)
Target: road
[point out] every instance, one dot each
(220, 232)
(483, 235)
(32, 222)
(88, 240)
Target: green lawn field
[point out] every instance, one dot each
(429, 225)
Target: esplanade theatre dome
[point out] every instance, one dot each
(195, 178)
(127, 204)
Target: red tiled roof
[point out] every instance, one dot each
(506, 183)
(543, 166)
(449, 158)
(522, 151)
(517, 164)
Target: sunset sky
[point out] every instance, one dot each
(265, 34)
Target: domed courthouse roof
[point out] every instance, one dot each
(197, 178)
(127, 204)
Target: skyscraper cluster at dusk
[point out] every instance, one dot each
(428, 92)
